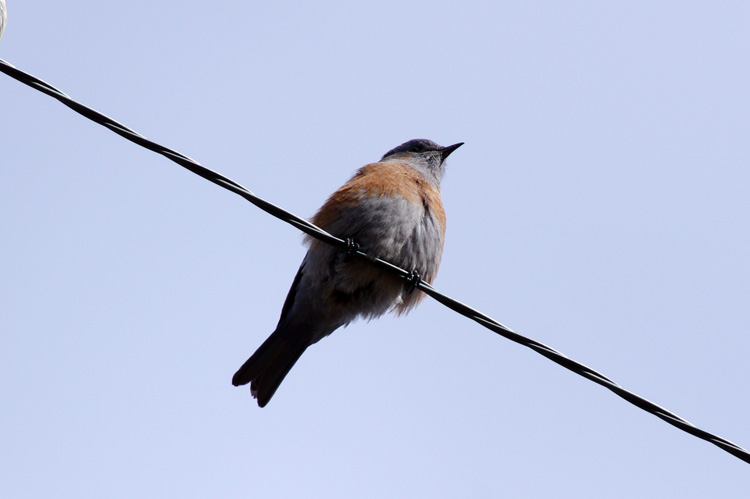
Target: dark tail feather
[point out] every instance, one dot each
(268, 366)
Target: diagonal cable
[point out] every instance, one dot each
(318, 233)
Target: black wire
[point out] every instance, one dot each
(316, 232)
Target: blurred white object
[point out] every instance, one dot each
(3, 17)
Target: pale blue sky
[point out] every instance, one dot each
(600, 205)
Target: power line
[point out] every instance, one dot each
(307, 227)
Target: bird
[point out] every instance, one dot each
(391, 210)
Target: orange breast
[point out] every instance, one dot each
(388, 178)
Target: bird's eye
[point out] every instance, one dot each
(416, 148)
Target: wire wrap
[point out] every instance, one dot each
(318, 233)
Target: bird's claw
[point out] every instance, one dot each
(414, 280)
(351, 246)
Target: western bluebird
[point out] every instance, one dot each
(392, 210)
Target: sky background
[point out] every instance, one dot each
(600, 206)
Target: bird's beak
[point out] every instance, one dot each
(446, 151)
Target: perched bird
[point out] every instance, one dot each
(390, 209)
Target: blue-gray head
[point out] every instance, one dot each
(423, 154)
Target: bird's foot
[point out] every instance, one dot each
(414, 280)
(351, 246)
